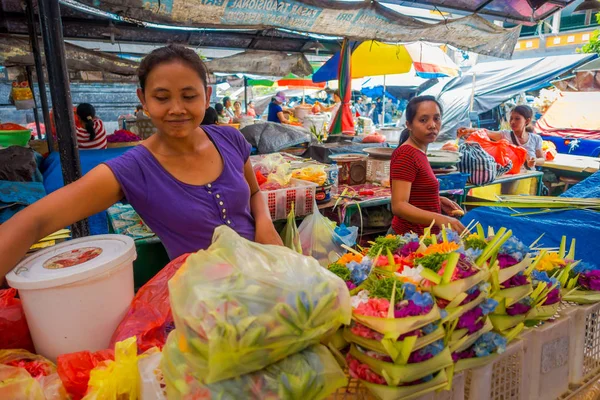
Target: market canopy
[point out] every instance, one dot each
(354, 20)
(15, 51)
(373, 58)
(268, 63)
(495, 83)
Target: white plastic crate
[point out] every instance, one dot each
(378, 170)
(502, 379)
(152, 386)
(547, 359)
(584, 336)
(301, 194)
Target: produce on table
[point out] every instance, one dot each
(240, 306)
(9, 126)
(310, 374)
(123, 136)
(374, 138)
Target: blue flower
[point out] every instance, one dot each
(542, 276)
(410, 237)
(429, 328)
(485, 287)
(452, 236)
(421, 299)
(473, 254)
(358, 276)
(489, 343)
(473, 289)
(409, 290)
(488, 306)
(443, 314)
(515, 248)
(434, 348)
(583, 267)
(427, 378)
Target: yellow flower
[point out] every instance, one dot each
(550, 261)
(349, 257)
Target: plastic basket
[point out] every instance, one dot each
(584, 344)
(547, 359)
(14, 138)
(455, 180)
(152, 386)
(301, 194)
(378, 170)
(456, 393)
(502, 379)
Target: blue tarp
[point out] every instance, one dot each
(582, 147)
(495, 83)
(53, 179)
(582, 225)
(15, 196)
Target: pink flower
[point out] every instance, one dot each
(590, 280)
(418, 357)
(383, 261)
(361, 371)
(374, 308)
(517, 280)
(518, 309)
(409, 248)
(363, 331)
(350, 285)
(418, 333)
(553, 297)
(410, 309)
(469, 353)
(470, 320)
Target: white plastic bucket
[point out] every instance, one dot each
(75, 294)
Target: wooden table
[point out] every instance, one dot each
(579, 165)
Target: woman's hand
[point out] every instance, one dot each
(455, 224)
(464, 132)
(451, 208)
(266, 233)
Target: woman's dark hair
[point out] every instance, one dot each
(411, 112)
(219, 108)
(527, 113)
(210, 117)
(86, 114)
(170, 53)
(225, 100)
(337, 93)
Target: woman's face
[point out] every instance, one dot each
(237, 106)
(518, 122)
(175, 98)
(427, 123)
(228, 103)
(250, 105)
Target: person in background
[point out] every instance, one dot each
(359, 108)
(416, 201)
(91, 134)
(378, 111)
(210, 117)
(228, 106)
(237, 111)
(334, 108)
(371, 112)
(139, 112)
(222, 117)
(251, 112)
(521, 134)
(276, 113)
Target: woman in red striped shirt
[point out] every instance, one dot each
(416, 202)
(91, 134)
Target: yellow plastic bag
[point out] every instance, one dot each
(117, 379)
(315, 174)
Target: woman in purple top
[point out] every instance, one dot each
(183, 181)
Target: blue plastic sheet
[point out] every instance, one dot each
(15, 196)
(53, 179)
(582, 225)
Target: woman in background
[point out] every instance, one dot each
(91, 134)
(251, 112)
(222, 117)
(237, 111)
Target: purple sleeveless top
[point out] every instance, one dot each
(184, 216)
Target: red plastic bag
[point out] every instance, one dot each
(74, 369)
(502, 151)
(149, 317)
(14, 332)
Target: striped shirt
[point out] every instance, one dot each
(83, 137)
(411, 165)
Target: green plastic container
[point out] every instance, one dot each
(14, 138)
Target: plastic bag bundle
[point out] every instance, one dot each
(311, 374)
(14, 332)
(241, 306)
(149, 317)
(503, 152)
(480, 165)
(27, 376)
(315, 174)
(74, 370)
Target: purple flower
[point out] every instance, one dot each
(461, 355)
(409, 248)
(553, 297)
(350, 285)
(469, 320)
(506, 261)
(410, 309)
(590, 280)
(418, 357)
(471, 297)
(518, 309)
(517, 280)
(416, 333)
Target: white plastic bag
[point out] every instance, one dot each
(319, 240)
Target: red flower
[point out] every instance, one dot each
(374, 308)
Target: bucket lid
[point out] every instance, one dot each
(72, 261)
